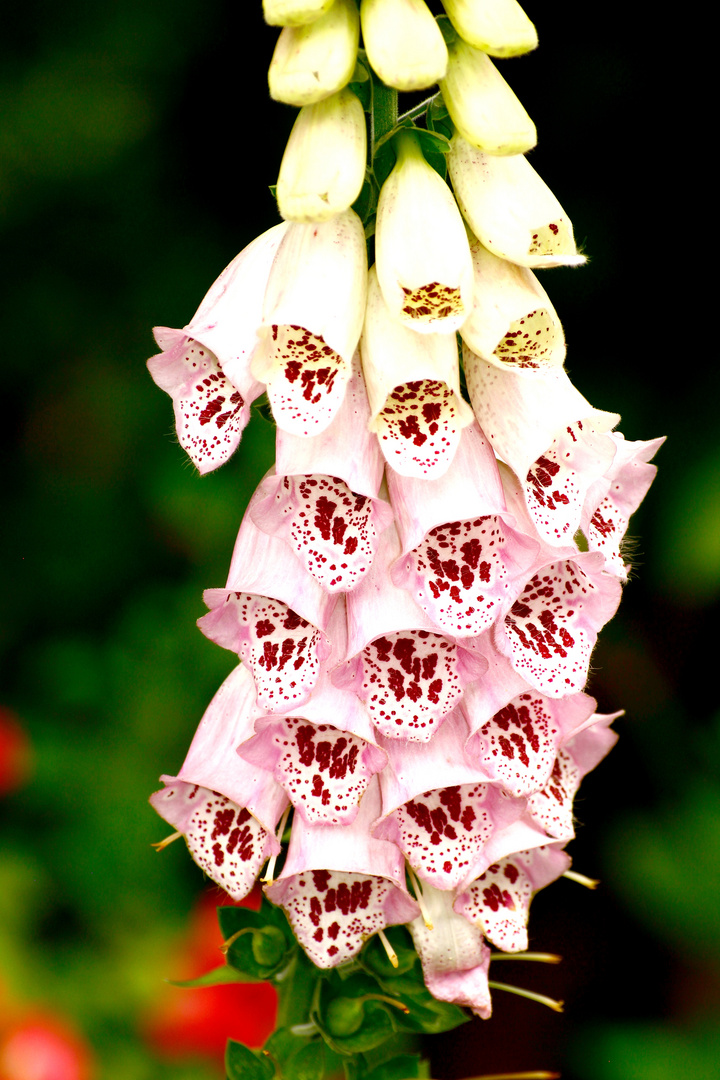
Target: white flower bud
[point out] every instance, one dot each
(510, 208)
(404, 43)
(313, 61)
(421, 246)
(513, 324)
(323, 167)
(498, 27)
(294, 12)
(482, 106)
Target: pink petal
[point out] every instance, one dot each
(347, 448)
(454, 957)
(498, 902)
(339, 885)
(471, 487)
(224, 839)
(614, 499)
(551, 629)
(557, 483)
(518, 746)
(521, 414)
(333, 532)
(312, 321)
(324, 771)
(552, 807)
(210, 412)
(282, 650)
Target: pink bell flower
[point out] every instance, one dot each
(339, 885)
(205, 367)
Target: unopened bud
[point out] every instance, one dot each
(498, 27)
(314, 61)
(323, 167)
(404, 43)
(482, 106)
(294, 12)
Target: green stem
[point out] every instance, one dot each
(384, 115)
(295, 991)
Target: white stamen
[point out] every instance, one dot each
(168, 840)
(267, 878)
(542, 957)
(588, 882)
(419, 897)
(392, 955)
(556, 1006)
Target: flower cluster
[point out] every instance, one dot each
(418, 584)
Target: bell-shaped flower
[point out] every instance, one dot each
(294, 12)
(205, 367)
(498, 27)
(612, 500)
(312, 317)
(313, 61)
(549, 632)
(408, 675)
(422, 251)
(339, 885)
(272, 613)
(346, 448)
(333, 531)
(518, 745)
(460, 555)
(513, 323)
(439, 808)
(413, 385)
(551, 808)
(482, 106)
(404, 44)
(498, 902)
(323, 167)
(226, 808)
(510, 208)
(454, 957)
(551, 437)
(323, 756)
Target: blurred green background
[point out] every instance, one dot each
(136, 145)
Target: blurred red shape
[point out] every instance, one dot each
(15, 752)
(40, 1046)
(187, 1022)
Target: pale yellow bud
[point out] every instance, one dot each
(294, 12)
(482, 106)
(313, 61)
(510, 208)
(403, 42)
(498, 27)
(323, 167)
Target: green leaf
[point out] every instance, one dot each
(242, 1064)
(360, 82)
(307, 1064)
(216, 977)
(375, 961)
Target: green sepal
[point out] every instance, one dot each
(216, 977)
(360, 82)
(375, 961)
(438, 119)
(448, 31)
(261, 954)
(434, 145)
(366, 202)
(272, 188)
(376, 1024)
(425, 1013)
(242, 1064)
(404, 1067)
(264, 409)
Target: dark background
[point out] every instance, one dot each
(137, 143)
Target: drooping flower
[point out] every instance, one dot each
(226, 808)
(294, 12)
(315, 60)
(339, 885)
(323, 167)
(312, 321)
(513, 323)
(413, 385)
(454, 956)
(498, 27)
(403, 42)
(205, 367)
(510, 208)
(482, 106)
(423, 260)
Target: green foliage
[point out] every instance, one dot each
(243, 1064)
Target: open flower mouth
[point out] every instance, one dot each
(419, 428)
(432, 302)
(306, 381)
